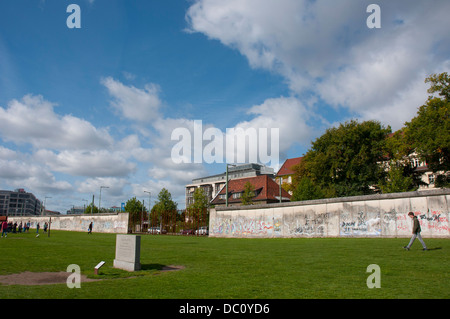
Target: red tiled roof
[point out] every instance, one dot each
(264, 186)
(286, 169)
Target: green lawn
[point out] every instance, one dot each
(217, 268)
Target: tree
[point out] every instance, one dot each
(248, 194)
(164, 206)
(198, 210)
(136, 210)
(429, 132)
(397, 180)
(402, 175)
(344, 161)
(201, 201)
(440, 83)
(91, 210)
(306, 190)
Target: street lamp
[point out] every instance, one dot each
(45, 200)
(100, 198)
(226, 183)
(149, 199)
(84, 208)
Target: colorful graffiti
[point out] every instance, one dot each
(365, 218)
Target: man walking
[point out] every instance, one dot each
(416, 232)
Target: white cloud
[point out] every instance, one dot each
(33, 120)
(288, 116)
(24, 173)
(325, 47)
(140, 105)
(115, 186)
(96, 163)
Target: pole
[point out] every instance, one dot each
(142, 215)
(226, 188)
(49, 225)
(281, 182)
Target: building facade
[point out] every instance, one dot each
(285, 173)
(19, 203)
(265, 191)
(212, 185)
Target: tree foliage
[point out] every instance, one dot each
(201, 201)
(91, 209)
(136, 210)
(306, 190)
(429, 132)
(163, 205)
(248, 194)
(344, 161)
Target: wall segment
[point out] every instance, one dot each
(361, 216)
(102, 223)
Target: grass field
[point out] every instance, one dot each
(217, 268)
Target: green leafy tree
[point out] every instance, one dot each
(397, 180)
(201, 201)
(429, 132)
(91, 210)
(136, 210)
(164, 206)
(440, 83)
(198, 210)
(306, 190)
(402, 175)
(344, 161)
(248, 194)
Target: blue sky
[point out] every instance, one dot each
(96, 106)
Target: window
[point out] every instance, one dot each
(431, 178)
(237, 195)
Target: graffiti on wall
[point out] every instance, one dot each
(308, 225)
(432, 221)
(360, 225)
(104, 224)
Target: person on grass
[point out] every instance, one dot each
(416, 232)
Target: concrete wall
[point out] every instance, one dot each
(102, 223)
(361, 216)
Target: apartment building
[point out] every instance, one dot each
(18, 203)
(212, 185)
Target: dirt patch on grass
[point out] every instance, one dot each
(50, 278)
(39, 278)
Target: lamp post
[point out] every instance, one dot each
(84, 207)
(149, 199)
(45, 200)
(226, 185)
(100, 198)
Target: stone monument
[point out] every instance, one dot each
(128, 252)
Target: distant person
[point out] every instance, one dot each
(415, 233)
(45, 227)
(37, 230)
(90, 228)
(5, 228)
